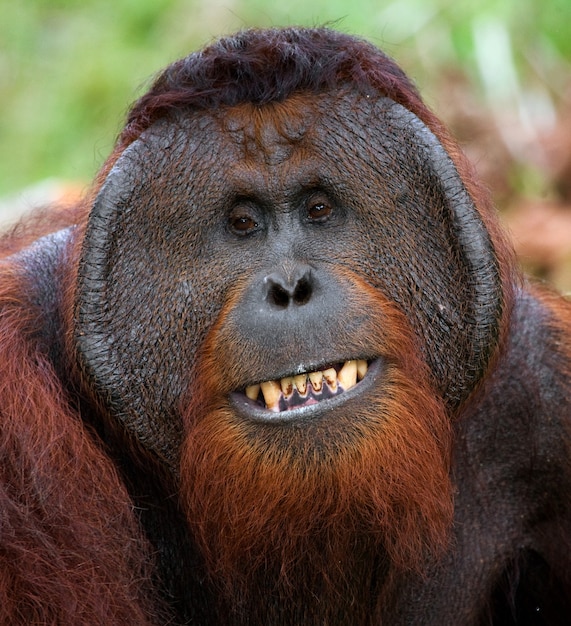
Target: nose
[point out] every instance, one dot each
(283, 289)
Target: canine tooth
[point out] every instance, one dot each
(252, 391)
(348, 375)
(316, 379)
(300, 382)
(330, 376)
(272, 392)
(362, 368)
(286, 385)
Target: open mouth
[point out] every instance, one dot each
(307, 388)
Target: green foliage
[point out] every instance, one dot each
(70, 68)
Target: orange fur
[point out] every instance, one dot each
(298, 510)
(66, 522)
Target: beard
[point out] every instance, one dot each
(313, 521)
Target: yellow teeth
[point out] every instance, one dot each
(348, 375)
(330, 376)
(272, 393)
(301, 383)
(362, 368)
(287, 386)
(253, 391)
(316, 379)
(274, 390)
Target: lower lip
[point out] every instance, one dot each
(247, 409)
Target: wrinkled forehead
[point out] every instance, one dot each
(271, 133)
(339, 132)
(323, 125)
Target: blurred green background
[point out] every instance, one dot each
(498, 72)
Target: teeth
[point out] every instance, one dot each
(301, 384)
(273, 390)
(286, 385)
(348, 375)
(252, 392)
(330, 376)
(362, 368)
(316, 379)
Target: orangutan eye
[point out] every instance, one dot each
(242, 223)
(319, 209)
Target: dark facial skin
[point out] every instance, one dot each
(267, 202)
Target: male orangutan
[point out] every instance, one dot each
(279, 368)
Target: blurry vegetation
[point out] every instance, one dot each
(499, 73)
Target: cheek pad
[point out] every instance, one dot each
(142, 303)
(427, 247)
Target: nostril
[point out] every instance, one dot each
(278, 295)
(303, 291)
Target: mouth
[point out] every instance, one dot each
(306, 389)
